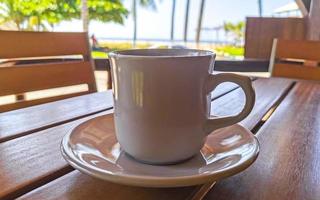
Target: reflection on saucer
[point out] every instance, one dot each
(93, 149)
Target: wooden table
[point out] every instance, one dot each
(286, 120)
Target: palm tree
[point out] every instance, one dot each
(236, 30)
(172, 19)
(85, 15)
(101, 10)
(200, 21)
(134, 15)
(186, 22)
(260, 7)
(145, 3)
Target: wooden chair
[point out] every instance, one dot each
(21, 79)
(295, 59)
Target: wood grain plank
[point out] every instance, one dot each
(22, 104)
(223, 89)
(73, 180)
(76, 185)
(21, 44)
(41, 151)
(296, 71)
(262, 30)
(27, 78)
(288, 166)
(25, 121)
(39, 75)
(33, 159)
(286, 53)
(268, 92)
(298, 49)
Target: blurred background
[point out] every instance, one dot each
(122, 24)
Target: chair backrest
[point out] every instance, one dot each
(298, 59)
(21, 79)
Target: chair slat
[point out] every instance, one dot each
(296, 71)
(20, 44)
(27, 78)
(298, 49)
(287, 53)
(33, 64)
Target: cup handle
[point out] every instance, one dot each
(245, 83)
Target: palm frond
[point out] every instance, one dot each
(148, 4)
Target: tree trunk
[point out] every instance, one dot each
(200, 22)
(186, 22)
(134, 15)
(172, 19)
(85, 15)
(260, 7)
(52, 27)
(38, 23)
(17, 22)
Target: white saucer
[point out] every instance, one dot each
(92, 148)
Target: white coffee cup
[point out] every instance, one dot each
(162, 101)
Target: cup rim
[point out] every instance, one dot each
(184, 53)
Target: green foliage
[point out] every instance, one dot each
(225, 51)
(9, 11)
(123, 45)
(148, 4)
(61, 10)
(99, 54)
(236, 29)
(27, 14)
(112, 46)
(36, 14)
(229, 50)
(105, 11)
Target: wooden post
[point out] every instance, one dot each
(88, 57)
(313, 21)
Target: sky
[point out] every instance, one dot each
(156, 24)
